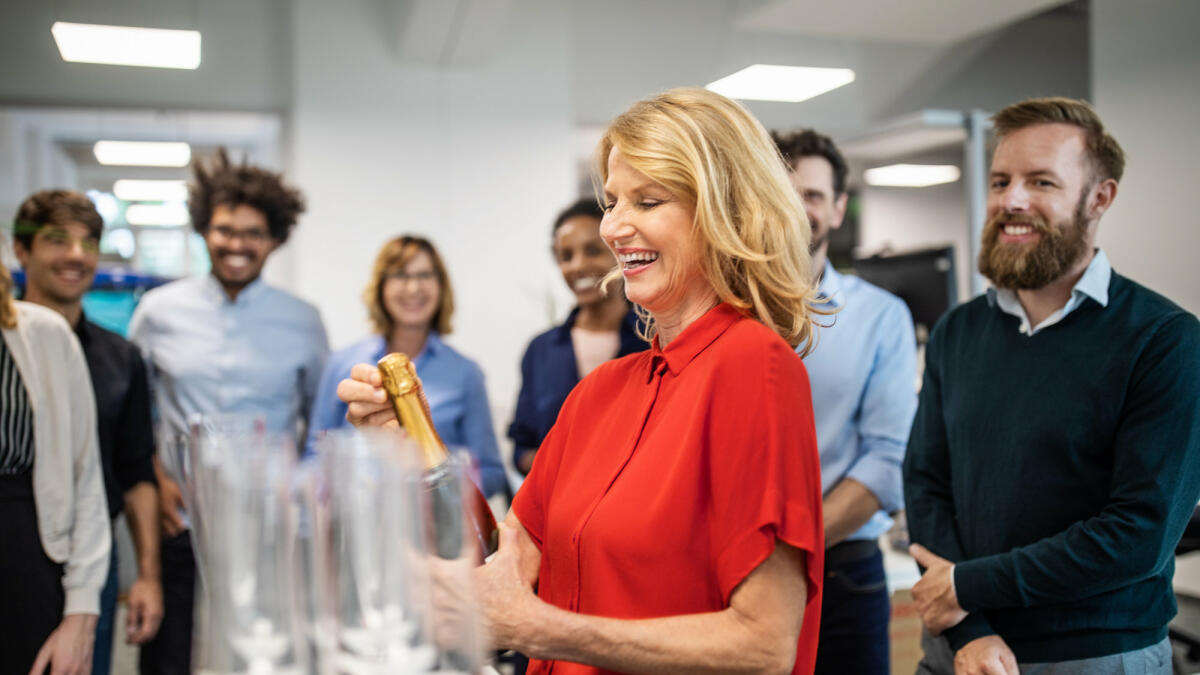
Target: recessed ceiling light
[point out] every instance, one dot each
(163, 215)
(127, 45)
(911, 175)
(137, 190)
(791, 84)
(142, 153)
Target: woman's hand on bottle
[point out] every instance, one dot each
(367, 402)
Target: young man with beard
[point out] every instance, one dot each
(224, 343)
(1055, 457)
(57, 240)
(861, 374)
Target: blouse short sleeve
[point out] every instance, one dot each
(765, 471)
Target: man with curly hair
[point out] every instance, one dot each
(224, 343)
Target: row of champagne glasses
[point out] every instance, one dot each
(335, 564)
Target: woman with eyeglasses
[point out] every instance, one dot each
(410, 304)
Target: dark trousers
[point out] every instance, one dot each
(31, 591)
(854, 612)
(170, 652)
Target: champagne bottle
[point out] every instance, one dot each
(447, 493)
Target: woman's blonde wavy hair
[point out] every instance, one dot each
(750, 222)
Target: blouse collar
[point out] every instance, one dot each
(695, 338)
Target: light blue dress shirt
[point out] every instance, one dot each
(260, 354)
(457, 397)
(863, 373)
(1093, 284)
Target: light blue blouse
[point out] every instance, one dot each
(457, 398)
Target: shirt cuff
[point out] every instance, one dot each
(883, 477)
(82, 600)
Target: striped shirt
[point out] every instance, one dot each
(16, 418)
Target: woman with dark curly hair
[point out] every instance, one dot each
(602, 326)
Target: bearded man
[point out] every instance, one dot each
(1055, 457)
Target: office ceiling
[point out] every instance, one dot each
(923, 22)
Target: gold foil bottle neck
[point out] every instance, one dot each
(404, 390)
(399, 374)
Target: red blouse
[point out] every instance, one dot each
(670, 474)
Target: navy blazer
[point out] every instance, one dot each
(548, 373)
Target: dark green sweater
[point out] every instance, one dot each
(1058, 470)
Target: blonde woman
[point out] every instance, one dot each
(410, 304)
(672, 518)
(53, 512)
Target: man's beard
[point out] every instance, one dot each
(1032, 266)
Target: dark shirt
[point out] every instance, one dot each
(122, 411)
(548, 373)
(1059, 469)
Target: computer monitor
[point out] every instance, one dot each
(924, 280)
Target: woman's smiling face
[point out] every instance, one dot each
(650, 230)
(582, 257)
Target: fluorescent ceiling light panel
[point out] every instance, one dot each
(911, 175)
(135, 190)
(127, 45)
(142, 153)
(163, 215)
(790, 84)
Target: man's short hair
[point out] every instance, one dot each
(55, 207)
(1105, 154)
(224, 183)
(808, 143)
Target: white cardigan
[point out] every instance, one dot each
(68, 489)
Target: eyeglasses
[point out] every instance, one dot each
(65, 241)
(226, 233)
(423, 277)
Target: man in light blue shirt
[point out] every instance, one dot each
(863, 377)
(223, 343)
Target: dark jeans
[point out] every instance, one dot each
(854, 612)
(102, 652)
(170, 652)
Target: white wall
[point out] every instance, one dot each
(1145, 75)
(1146, 79)
(478, 159)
